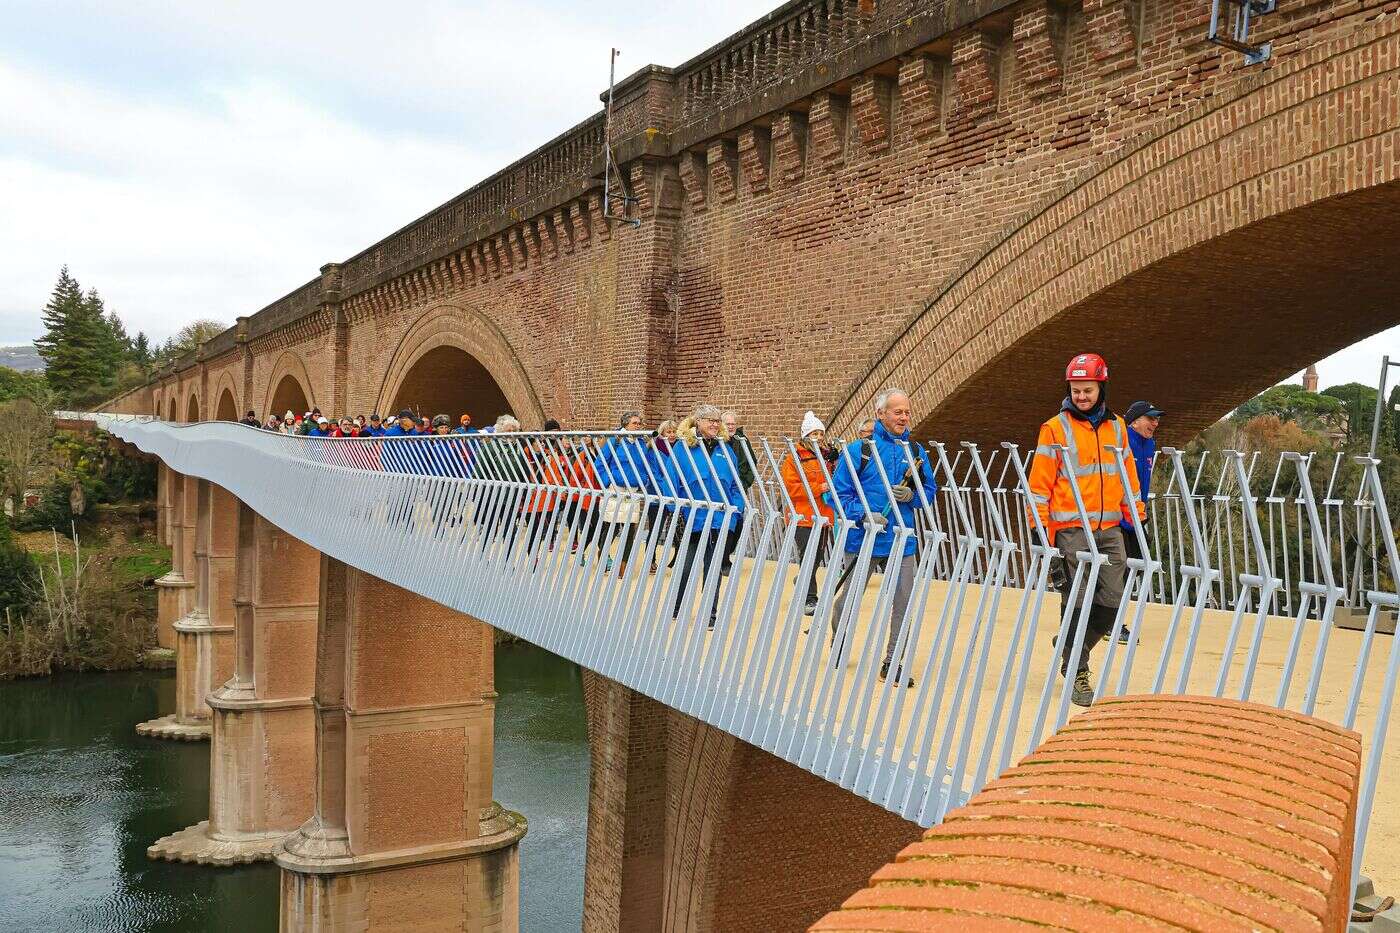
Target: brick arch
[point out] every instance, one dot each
(173, 414)
(192, 408)
(1202, 262)
(449, 325)
(288, 365)
(226, 391)
(690, 828)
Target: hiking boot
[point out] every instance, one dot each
(1083, 692)
(1124, 636)
(810, 608)
(885, 674)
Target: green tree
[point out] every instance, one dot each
(72, 340)
(1292, 403)
(86, 350)
(1393, 416)
(193, 334)
(141, 350)
(18, 573)
(15, 384)
(1359, 408)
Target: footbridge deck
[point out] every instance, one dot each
(502, 529)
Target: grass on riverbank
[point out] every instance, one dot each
(91, 605)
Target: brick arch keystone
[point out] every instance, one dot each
(289, 364)
(450, 325)
(1321, 127)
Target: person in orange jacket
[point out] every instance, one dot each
(1073, 447)
(807, 498)
(546, 467)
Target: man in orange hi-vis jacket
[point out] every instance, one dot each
(1073, 447)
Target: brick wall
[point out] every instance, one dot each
(873, 223)
(691, 829)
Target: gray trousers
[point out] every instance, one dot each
(903, 589)
(1108, 591)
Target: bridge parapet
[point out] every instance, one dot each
(1189, 812)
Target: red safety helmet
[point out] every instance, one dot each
(1087, 366)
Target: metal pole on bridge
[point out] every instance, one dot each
(1380, 400)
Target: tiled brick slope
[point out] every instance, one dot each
(1145, 812)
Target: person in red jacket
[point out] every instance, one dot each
(808, 497)
(1072, 452)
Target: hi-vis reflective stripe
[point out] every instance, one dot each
(1077, 466)
(1039, 498)
(1093, 516)
(1069, 437)
(1078, 469)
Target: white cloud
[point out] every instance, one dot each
(1360, 362)
(175, 213)
(203, 159)
(200, 160)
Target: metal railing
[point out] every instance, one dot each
(658, 569)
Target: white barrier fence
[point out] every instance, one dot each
(694, 595)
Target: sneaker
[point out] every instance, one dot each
(1124, 636)
(712, 623)
(810, 609)
(885, 673)
(608, 567)
(1083, 692)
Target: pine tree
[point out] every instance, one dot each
(120, 337)
(84, 347)
(68, 346)
(141, 350)
(112, 345)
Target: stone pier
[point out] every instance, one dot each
(205, 635)
(174, 590)
(405, 833)
(262, 762)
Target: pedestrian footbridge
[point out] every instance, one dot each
(1246, 573)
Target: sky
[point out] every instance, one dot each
(199, 160)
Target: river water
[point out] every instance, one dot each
(81, 796)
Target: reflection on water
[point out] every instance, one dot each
(81, 796)
(542, 771)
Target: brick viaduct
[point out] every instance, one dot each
(951, 197)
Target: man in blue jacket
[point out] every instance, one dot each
(857, 473)
(620, 466)
(1142, 418)
(701, 467)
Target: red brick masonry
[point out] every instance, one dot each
(1144, 812)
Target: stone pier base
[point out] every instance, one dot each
(170, 727)
(464, 886)
(197, 845)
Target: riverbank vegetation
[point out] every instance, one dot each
(78, 555)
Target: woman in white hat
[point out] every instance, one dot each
(807, 497)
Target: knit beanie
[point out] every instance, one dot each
(810, 423)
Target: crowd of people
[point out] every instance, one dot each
(314, 424)
(585, 483)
